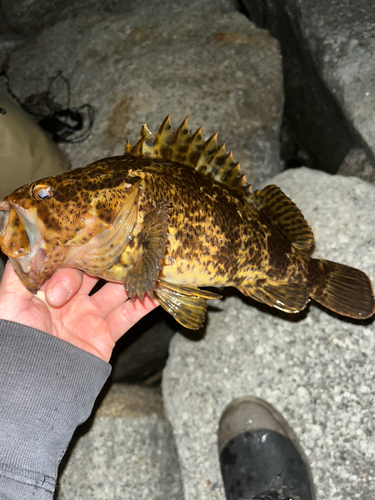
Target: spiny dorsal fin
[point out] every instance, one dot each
(191, 150)
(285, 215)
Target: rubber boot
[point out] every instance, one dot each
(260, 456)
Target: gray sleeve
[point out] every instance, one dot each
(47, 388)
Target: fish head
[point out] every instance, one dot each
(43, 224)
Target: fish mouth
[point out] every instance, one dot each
(22, 241)
(15, 240)
(4, 216)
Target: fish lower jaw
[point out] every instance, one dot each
(28, 267)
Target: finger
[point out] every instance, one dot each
(61, 287)
(120, 320)
(88, 283)
(109, 297)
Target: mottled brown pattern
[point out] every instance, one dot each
(208, 233)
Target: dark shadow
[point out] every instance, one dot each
(141, 354)
(137, 330)
(3, 257)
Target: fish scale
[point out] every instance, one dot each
(172, 215)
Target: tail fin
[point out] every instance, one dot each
(343, 289)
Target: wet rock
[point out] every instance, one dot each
(204, 60)
(317, 369)
(128, 451)
(328, 72)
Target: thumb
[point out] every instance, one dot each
(62, 286)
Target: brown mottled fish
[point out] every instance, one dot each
(172, 214)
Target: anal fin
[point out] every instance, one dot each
(288, 297)
(187, 304)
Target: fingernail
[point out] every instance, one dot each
(59, 294)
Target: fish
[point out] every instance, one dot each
(169, 218)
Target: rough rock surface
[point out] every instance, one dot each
(128, 452)
(199, 59)
(329, 74)
(356, 163)
(317, 369)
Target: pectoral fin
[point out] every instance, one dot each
(150, 245)
(187, 304)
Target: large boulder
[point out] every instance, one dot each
(317, 369)
(329, 76)
(205, 60)
(127, 452)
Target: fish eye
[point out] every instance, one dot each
(41, 191)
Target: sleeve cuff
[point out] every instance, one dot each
(47, 388)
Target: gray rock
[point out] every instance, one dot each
(318, 370)
(356, 163)
(128, 452)
(31, 16)
(329, 74)
(8, 43)
(184, 58)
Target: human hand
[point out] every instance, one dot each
(63, 308)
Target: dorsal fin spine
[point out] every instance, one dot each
(164, 138)
(145, 131)
(191, 150)
(128, 148)
(137, 149)
(207, 152)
